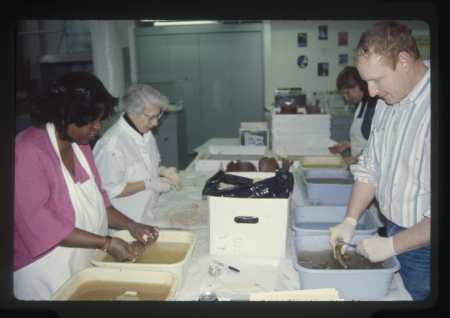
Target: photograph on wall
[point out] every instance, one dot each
(342, 38)
(343, 59)
(302, 37)
(302, 61)
(322, 69)
(323, 32)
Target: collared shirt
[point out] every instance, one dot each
(397, 157)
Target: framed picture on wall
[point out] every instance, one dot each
(302, 61)
(323, 32)
(343, 59)
(302, 39)
(322, 69)
(342, 38)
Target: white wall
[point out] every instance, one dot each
(280, 49)
(284, 52)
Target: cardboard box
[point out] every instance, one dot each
(253, 134)
(228, 234)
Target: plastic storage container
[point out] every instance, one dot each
(117, 275)
(353, 284)
(179, 269)
(316, 220)
(328, 193)
(322, 162)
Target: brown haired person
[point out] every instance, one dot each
(395, 165)
(350, 83)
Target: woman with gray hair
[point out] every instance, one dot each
(128, 158)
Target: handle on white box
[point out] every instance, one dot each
(246, 219)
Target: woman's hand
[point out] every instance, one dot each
(138, 230)
(122, 251)
(340, 147)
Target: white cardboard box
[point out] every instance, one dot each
(265, 238)
(253, 134)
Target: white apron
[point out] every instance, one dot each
(41, 279)
(357, 140)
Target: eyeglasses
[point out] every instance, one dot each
(150, 119)
(347, 92)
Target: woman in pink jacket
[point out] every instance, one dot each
(61, 215)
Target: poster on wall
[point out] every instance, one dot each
(342, 38)
(323, 32)
(301, 39)
(302, 61)
(322, 69)
(343, 59)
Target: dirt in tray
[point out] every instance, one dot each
(192, 216)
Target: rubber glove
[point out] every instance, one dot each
(157, 184)
(376, 248)
(170, 172)
(344, 231)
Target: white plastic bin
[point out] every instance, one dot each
(316, 220)
(117, 275)
(179, 269)
(328, 194)
(353, 284)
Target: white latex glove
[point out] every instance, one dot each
(157, 184)
(376, 248)
(170, 172)
(177, 183)
(344, 231)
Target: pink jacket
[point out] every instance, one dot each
(43, 211)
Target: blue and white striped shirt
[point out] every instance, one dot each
(397, 157)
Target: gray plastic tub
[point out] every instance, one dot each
(354, 284)
(328, 194)
(316, 220)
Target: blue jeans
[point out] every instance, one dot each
(415, 266)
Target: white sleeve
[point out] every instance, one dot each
(110, 164)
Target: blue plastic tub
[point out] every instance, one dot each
(316, 220)
(328, 193)
(353, 284)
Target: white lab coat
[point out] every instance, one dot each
(123, 156)
(42, 278)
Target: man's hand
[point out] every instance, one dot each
(376, 248)
(344, 231)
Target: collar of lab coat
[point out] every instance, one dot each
(140, 140)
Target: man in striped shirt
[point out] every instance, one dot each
(395, 165)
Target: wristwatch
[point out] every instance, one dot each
(108, 241)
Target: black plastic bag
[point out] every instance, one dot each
(279, 186)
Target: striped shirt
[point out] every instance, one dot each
(397, 157)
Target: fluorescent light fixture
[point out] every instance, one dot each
(175, 23)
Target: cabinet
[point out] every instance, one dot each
(170, 135)
(217, 71)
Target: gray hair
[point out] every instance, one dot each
(135, 96)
